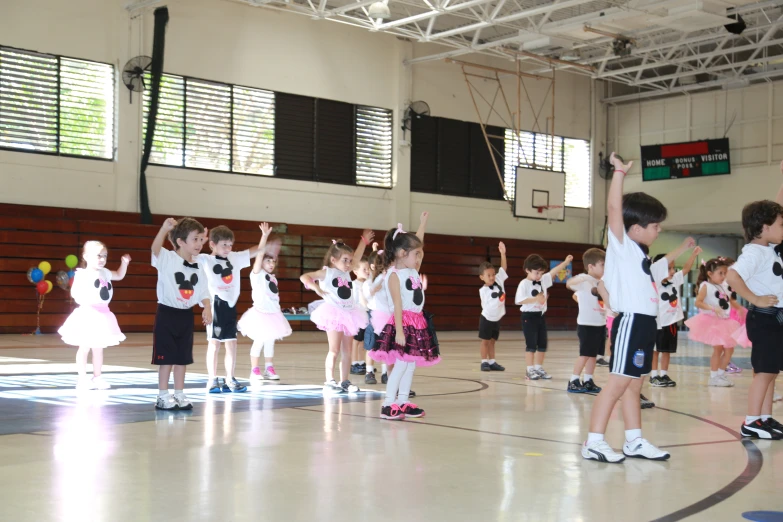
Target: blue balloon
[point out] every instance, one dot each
(71, 273)
(36, 275)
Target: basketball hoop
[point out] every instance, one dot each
(549, 212)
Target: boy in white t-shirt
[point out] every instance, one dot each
(493, 308)
(758, 277)
(532, 295)
(591, 322)
(634, 223)
(669, 314)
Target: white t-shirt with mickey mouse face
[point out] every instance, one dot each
(630, 277)
(180, 284)
(493, 298)
(762, 270)
(670, 300)
(529, 288)
(223, 274)
(92, 287)
(266, 294)
(338, 289)
(591, 307)
(378, 301)
(717, 297)
(411, 290)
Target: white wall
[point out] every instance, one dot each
(755, 138)
(231, 42)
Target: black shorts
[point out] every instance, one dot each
(224, 321)
(359, 336)
(488, 330)
(667, 339)
(591, 340)
(766, 334)
(534, 328)
(633, 340)
(172, 336)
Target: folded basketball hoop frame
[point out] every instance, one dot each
(511, 119)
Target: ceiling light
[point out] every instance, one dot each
(379, 10)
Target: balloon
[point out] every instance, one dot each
(71, 274)
(36, 274)
(71, 261)
(30, 274)
(49, 285)
(63, 280)
(42, 287)
(45, 267)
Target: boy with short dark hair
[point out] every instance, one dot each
(182, 284)
(532, 295)
(634, 223)
(493, 308)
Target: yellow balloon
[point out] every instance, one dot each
(49, 285)
(45, 267)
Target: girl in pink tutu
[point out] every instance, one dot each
(340, 316)
(264, 322)
(406, 340)
(712, 325)
(92, 326)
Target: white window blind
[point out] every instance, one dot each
(541, 151)
(207, 125)
(373, 147)
(168, 146)
(56, 105)
(254, 131)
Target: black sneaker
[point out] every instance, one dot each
(602, 362)
(355, 369)
(495, 367)
(668, 382)
(412, 394)
(645, 402)
(775, 425)
(485, 367)
(235, 386)
(760, 430)
(575, 387)
(214, 386)
(348, 387)
(392, 412)
(657, 382)
(384, 378)
(363, 367)
(411, 410)
(591, 387)
(369, 378)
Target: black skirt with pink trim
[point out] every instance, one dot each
(421, 346)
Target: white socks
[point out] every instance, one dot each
(370, 368)
(574, 377)
(537, 366)
(750, 419)
(484, 361)
(721, 372)
(162, 393)
(632, 435)
(178, 391)
(492, 361)
(664, 373)
(654, 373)
(588, 377)
(530, 368)
(713, 374)
(384, 368)
(765, 418)
(268, 365)
(594, 437)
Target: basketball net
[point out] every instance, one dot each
(549, 212)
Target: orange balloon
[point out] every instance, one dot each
(49, 286)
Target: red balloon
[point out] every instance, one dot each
(42, 287)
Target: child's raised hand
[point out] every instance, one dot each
(689, 243)
(169, 224)
(375, 246)
(368, 235)
(265, 229)
(617, 163)
(126, 259)
(502, 247)
(569, 258)
(206, 315)
(697, 251)
(424, 216)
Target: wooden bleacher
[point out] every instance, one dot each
(30, 234)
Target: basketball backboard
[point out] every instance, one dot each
(536, 189)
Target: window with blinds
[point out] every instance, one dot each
(373, 147)
(56, 105)
(542, 151)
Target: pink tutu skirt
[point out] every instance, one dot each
(741, 336)
(330, 318)
(379, 319)
(712, 330)
(264, 326)
(609, 322)
(738, 316)
(420, 346)
(92, 327)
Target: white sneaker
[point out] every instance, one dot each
(85, 383)
(720, 382)
(725, 378)
(332, 386)
(182, 401)
(532, 375)
(270, 374)
(642, 449)
(166, 402)
(255, 377)
(101, 383)
(348, 387)
(542, 373)
(601, 451)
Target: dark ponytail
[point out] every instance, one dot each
(402, 241)
(711, 266)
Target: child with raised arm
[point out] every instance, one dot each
(92, 326)
(264, 322)
(339, 316)
(758, 277)
(591, 322)
(182, 284)
(532, 294)
(634, 223)
(669, 314)
(493, 308)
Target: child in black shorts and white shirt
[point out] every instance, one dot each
(758, 277)
(634, 223)
(182, 284)
(493, 308)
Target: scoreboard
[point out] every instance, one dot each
(686, 160)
